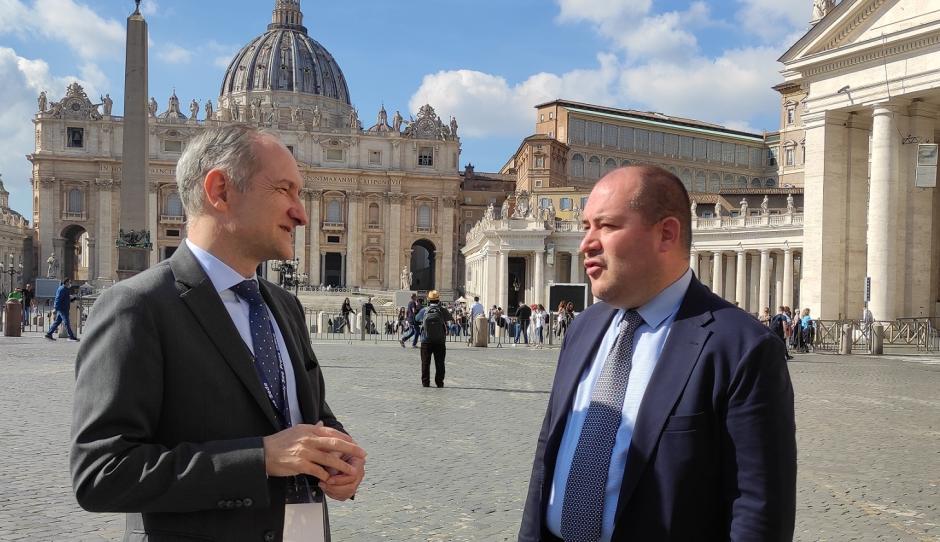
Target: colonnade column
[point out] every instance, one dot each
(778, 282)
(787, 298)
(152, 215)
(753, 286)
(717, 277)
(576, 268)
(393, 233)
(764, 288)
(313, 212)
(539, 276)
(693, 261)
(503, 292)
(740, 286)
(353, 250)
(446, 279)
(882, 218)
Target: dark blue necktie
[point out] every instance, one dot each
(264, 343)
(583, 508)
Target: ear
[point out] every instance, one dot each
(671, 234)
(217, 189)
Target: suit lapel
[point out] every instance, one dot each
(679, 356)
(294, 350)
(199, 295)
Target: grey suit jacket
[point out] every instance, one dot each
(169, 414)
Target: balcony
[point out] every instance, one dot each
(374, 227)
(334, 226)
(423, 229)
(74, 216)
(172, 219)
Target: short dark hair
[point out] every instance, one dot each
(662, 194)
(476, 298)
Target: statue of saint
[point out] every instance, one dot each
(717, 210)
(490, 213)
(208, 109)
(504, 210)
(316, 116)
(193, 109)
(453, 126)
(353, 119)
(108, 103)
(53, 265)
(550, 214)
(297, 115)
(694, 207)
(765, 206)
(405, 279)
(396, 121)
(821, 8)
(42, 101)
(233, 109)
(790, 206)
(576, 215)
(743, 207)
(153, 107)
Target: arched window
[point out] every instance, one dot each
(700, 181)
(742, 182)
(544, 202)
(577, 166)
(334, 211)
(372, 269)
(74, 201)
(714, 182)
(174, 207)
(594, 168)
(565, 204)
(771, 183)
(584, 201)
(625, 163)
(686, 178)
(727, 181)
(609, 165)
(755, 183)
(374, 214)
(424, 216)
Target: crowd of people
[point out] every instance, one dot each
(798, 332)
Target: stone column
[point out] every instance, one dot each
(539, 286)
(576, 268)
(764, 295)
(740, 291)
(778, 282)
(353, 242)
(300, 234)
(882, 217)
(503, 291)
(920, 275)
(693, 262)
(105, 234)
(856, 215)
(393, 232)
(717, 277)
(47, 208)
(314, 258)
(729, 285)
(152, 214)
(753, 285)
(446, 278)
(787, 296)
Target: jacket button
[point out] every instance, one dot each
(221, 504)
(230, 504)
(238, 503)
(269, 536)
(248, 502)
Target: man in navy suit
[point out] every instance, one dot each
(62, 306)
(671, 412)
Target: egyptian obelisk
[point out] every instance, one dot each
(133, 241)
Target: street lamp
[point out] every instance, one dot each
(11, 270)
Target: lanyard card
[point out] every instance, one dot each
(303, 522)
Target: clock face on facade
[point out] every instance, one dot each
(76, 106)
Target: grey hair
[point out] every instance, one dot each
(230, 148)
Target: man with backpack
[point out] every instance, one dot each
(778, 325)
(433, 320)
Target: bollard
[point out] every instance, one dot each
(13, 318)
(877, 339)
(845, 348)
(481, 331)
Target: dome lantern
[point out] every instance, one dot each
(287, 14)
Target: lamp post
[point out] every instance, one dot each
(10, 270)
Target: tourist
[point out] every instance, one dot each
(346, 311)
(541, 318)
(433, 320)
(62, 306)
(523, 316)
(413, 307)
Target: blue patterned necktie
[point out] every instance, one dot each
(583, 508)
(264, 343)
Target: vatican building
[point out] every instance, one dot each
(380, 192)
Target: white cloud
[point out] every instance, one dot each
(601, 13)
(486, 104)
(773, 20)
(149, 7)
(174, 54)
(21, 80)
(80, 27)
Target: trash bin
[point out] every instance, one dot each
(481, 331)
(12, 318)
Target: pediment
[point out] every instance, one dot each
(863, 23)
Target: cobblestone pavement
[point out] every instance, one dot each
(453, 463)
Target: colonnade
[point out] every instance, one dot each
(754, 278)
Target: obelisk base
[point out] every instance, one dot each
(132, 260)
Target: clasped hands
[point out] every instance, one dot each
(330, 455)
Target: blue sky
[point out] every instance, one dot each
(486, 62)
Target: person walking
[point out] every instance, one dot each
(523, 316)
(540, 317)
(62, 306)
(368, 310)
(433, 320)
(779, 324)
(28, 295)
(400, 320)
(413, 307)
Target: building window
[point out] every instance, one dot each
(788, 156)
(74, 204)
(334, 212)
(468, 212)
(539, 161)
(544, 203)
(584, 201)
(565, 204)
(173, 205)
(791, 114)
(334, 155)
(373, 214)
(290, 149)
(424, 216)
(541, 118)
(577, 166)
(175, 146)
(771, 183)
(803, 152)
(75, 138)
(375, 158)
(538, 183)
(426, 156)
(551, 116)
(610, 165)
(332, 238)
(772, 156)
(594, 168)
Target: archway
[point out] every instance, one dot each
(422, 265)
(76, 255)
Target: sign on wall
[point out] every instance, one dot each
(926, 176)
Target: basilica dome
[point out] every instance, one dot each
(285, 59)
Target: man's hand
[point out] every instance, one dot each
(312, 449)
(343, 486)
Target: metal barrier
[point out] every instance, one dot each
(919, 333)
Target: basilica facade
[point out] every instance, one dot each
(381, 196)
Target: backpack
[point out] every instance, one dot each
(776, 325)
(434, 325)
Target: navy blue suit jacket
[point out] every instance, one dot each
(63, 299)
(713, 454)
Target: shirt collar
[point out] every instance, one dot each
(222, 276)
(666, 302)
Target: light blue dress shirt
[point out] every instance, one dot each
(658, 315)
(224, 277)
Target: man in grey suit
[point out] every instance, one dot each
(199, 403)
